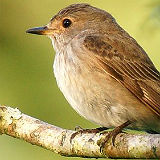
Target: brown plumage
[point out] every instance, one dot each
(101, 70)
(137, 73)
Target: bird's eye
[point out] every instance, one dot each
(66, 23)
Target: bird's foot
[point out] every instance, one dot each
(111, 135)
(152, 132)
(80, 130)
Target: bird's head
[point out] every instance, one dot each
(73, 20)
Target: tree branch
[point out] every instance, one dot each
(21, 126)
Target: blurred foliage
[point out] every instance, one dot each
(152, 22)
(26, 77)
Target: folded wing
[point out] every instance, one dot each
(126, 61)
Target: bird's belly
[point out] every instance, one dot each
(99, 98)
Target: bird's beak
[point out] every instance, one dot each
(40, 31)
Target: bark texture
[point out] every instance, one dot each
(21, 126)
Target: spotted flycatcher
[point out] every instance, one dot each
(104, 74)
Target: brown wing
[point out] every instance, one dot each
(127, 62)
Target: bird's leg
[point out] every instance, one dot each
(93, 130)
(112, 134)
(80, 130)
(152, 132)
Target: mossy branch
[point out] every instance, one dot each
(21, 126)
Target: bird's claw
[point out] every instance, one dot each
(80, 130)
(112, 135)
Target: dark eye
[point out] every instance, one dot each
(66, 23)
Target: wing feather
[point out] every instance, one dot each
(131, 67)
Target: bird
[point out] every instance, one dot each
(104, 74)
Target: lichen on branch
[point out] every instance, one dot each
(21, 126)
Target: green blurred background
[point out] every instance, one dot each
(26, 77)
